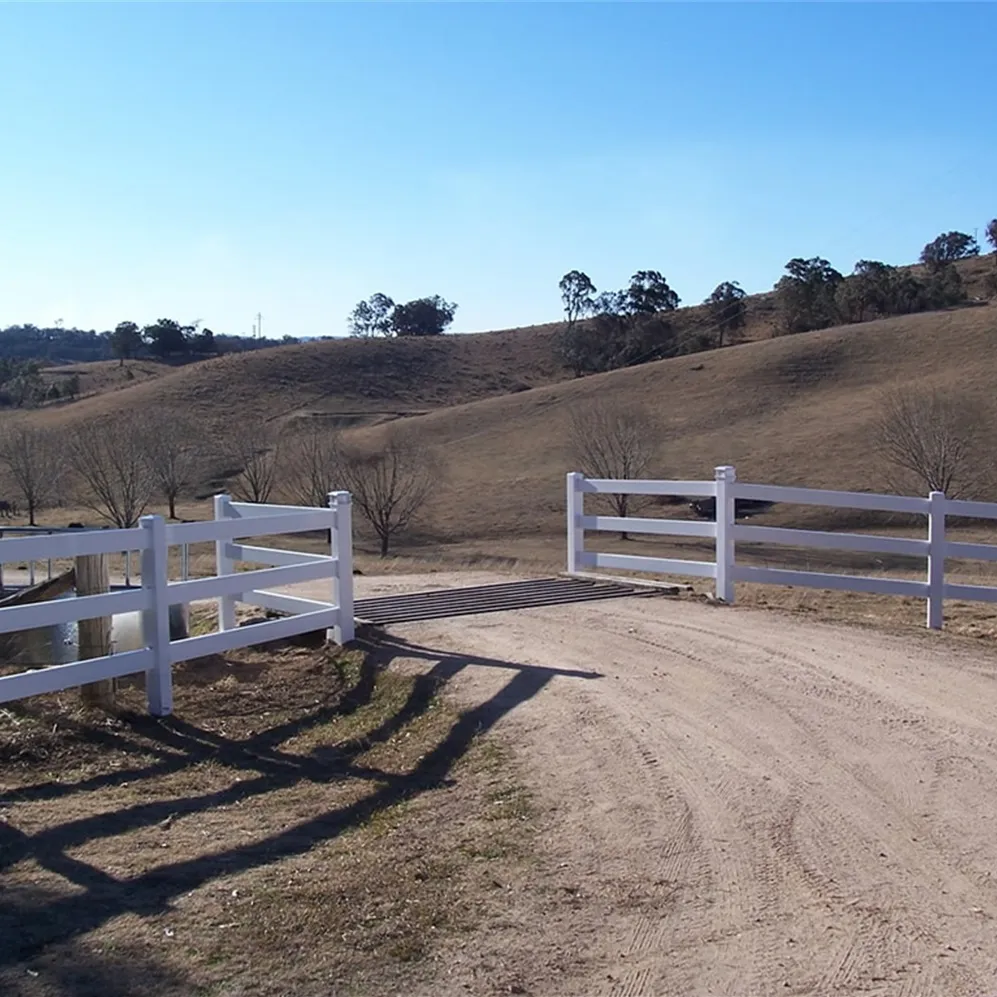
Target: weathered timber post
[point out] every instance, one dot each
(93, 578)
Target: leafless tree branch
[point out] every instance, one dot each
(310, 465)
(390, 485)
(613, 441)
(932, 437)
(254, 445)
(172, 450)
(110, 460)
(35, 462)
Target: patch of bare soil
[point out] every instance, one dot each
(307, 823)
(736, 802)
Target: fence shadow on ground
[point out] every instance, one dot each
(37, 928)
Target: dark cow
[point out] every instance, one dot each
(743, 508)
(7, 509)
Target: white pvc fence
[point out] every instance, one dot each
(726, 534)
(233, 520)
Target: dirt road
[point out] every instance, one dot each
(740, 802)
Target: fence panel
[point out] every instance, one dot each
(53, 678)
(254, 633)
(935, 549)
(157, 594)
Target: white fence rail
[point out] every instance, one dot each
(233, 520)
(726, 533)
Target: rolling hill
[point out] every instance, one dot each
(496, 406)
(793, 410)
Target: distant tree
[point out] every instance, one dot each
(35, 462)
(944, 287)
(422, 317)
(613, 441)
(389, 485)
(806, 294)
(171, 447)
(110, 462)
(371, 317)
(577, 292)
(254, 446)
(932, 437)
(727, 310)
(126, 341)
(22, 382)
(869, 292)
(647, 293)
(72, 387)
(204, 343)
(166, 337)
(948, 248)
(310, 465)
(991, 281)
(627, 327)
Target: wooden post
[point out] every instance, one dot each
(93, 578)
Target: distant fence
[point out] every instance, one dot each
(725, 533)
(233, 520)
(32, 562)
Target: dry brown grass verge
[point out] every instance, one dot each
(308, 822)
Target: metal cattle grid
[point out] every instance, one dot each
(531, 594)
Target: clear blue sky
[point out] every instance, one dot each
(212, 161)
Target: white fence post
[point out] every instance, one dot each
(156, 619)
(724, 516)
(936, 560)
(576, 509)
(224, 565)
(342, 583)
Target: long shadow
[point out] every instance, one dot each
(178, 753)
(79, 969)
(103, 897)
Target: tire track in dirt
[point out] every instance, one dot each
(754, 804)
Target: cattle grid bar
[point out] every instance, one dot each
(530, 594)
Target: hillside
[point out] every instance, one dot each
(496, 406)
(792, 410)
(354, 381)
(363, 381)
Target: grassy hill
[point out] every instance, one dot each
(496, 406)
(353, 381)
(792, 410)
(366, 381)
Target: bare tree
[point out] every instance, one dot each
(310, 465)
(254, 446)
(172, 451)
(389, 485)
(613, 441)
(931, 436)
(35, 462)
(110, 460)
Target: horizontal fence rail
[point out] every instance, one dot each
(726, 534)
(157, 594)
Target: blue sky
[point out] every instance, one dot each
(214, 161)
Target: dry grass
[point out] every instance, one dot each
(786, 410)
(307, 823)
(102, 376)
